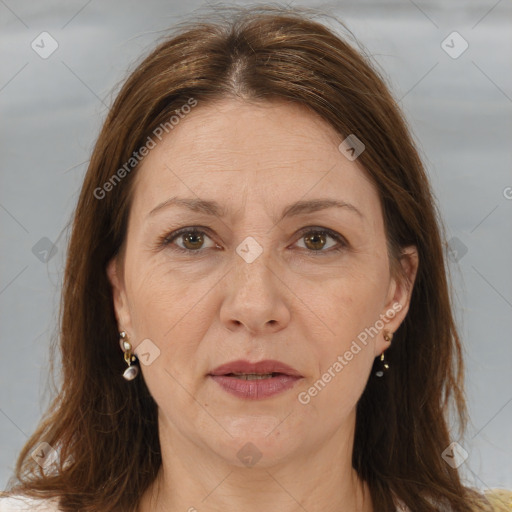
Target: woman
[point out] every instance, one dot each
(257, 252)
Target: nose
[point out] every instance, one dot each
(255, 298)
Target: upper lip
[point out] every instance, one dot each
(258, 367)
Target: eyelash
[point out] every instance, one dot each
(167, 239)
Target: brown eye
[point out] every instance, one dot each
(315, 241)
(192, 240)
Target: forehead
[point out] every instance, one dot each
(234, 151)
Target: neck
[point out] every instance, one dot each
(194, 479)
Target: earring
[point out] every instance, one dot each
(132, 371)
(388, 336)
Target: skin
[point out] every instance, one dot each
(289, 304)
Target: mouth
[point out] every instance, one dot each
(265, 369)
(253, 376)
(255, 381)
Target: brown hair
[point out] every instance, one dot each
(105, 428)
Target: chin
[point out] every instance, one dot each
(257, 441)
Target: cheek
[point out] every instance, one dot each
(348, 307)
(351, 302)
(167, 310)
(158, 292)
(171, 309)
(344, 357)
(337, 389)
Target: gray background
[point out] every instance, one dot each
(459, 110)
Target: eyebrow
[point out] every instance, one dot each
(215, 209)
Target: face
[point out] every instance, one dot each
(253, 279)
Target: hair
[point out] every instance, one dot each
(105, 428)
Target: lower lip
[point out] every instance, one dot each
(255, 389)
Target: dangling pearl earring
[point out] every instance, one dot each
(132, 371)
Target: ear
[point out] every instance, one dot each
(399, 295)
(122, 311)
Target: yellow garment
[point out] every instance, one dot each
(500, 499)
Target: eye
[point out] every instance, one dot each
(316, 239)
(193, 239)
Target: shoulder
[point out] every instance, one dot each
(500, 499)
(25, 504)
